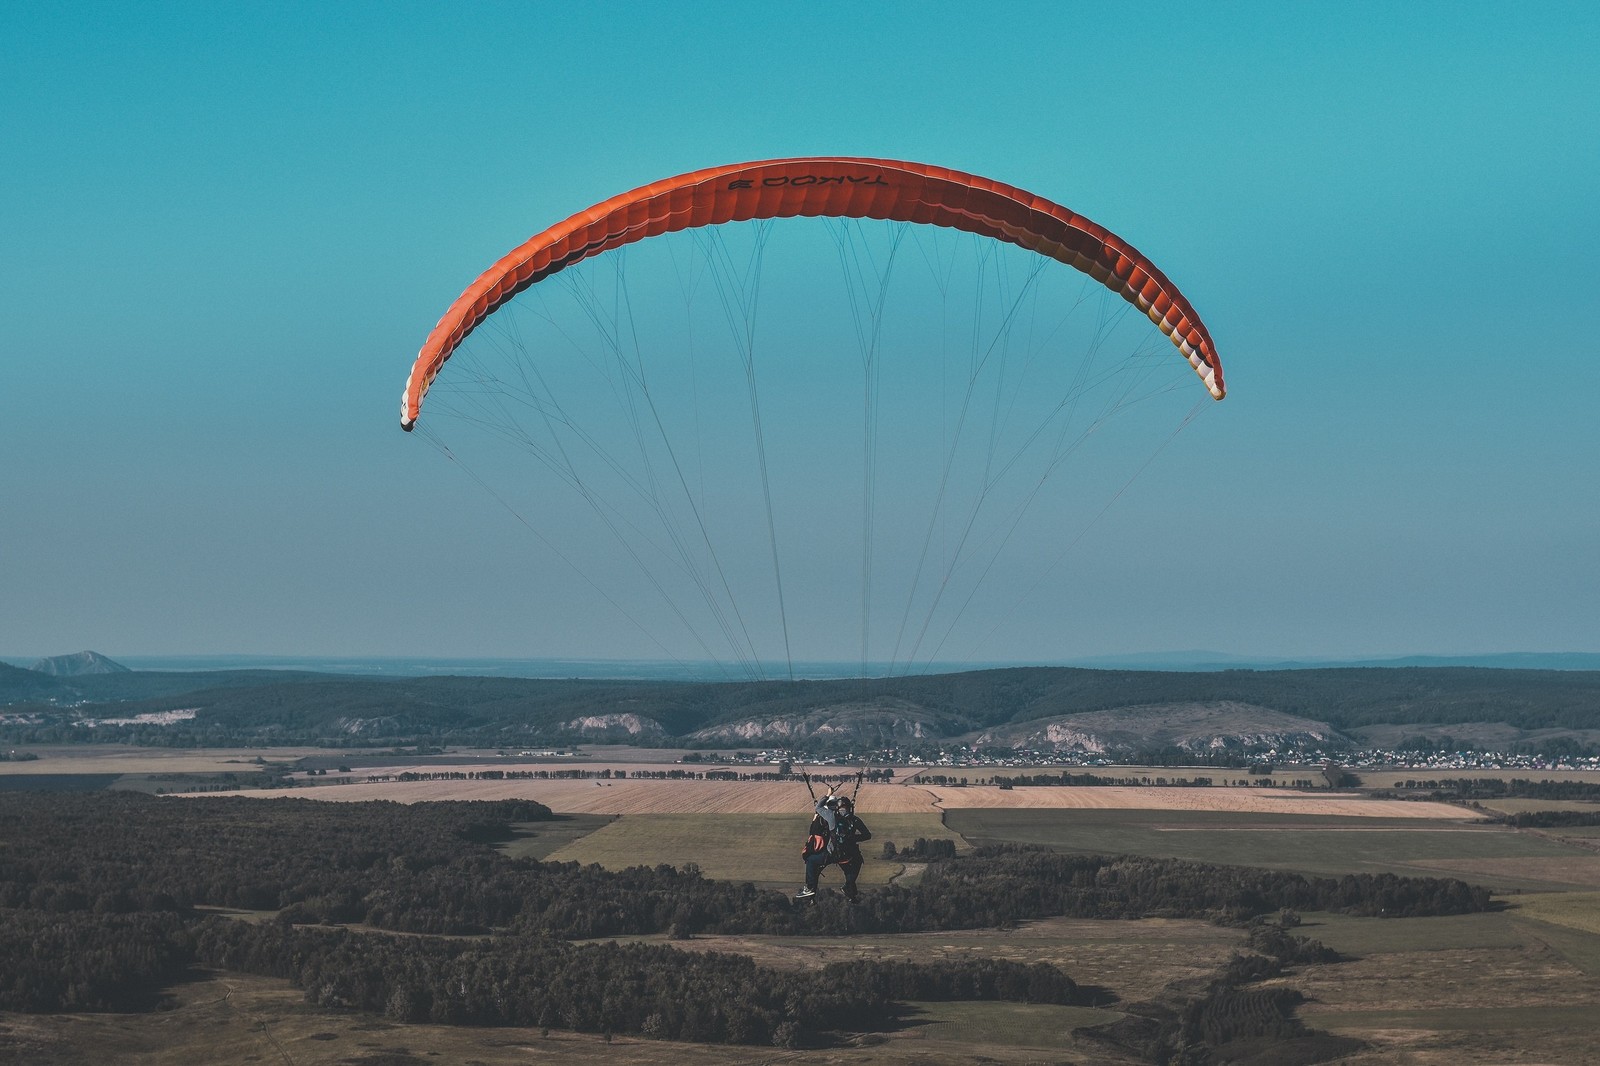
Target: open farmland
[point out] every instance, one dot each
(1576, 910)
(627, 796)
(1482, 853)
(646, 796)
(126, 759)
(1567, 869)
(764, 848)
(1477, 988)
(1522, 805)
(1156, 797)
(1398, 778)
(1131, 959)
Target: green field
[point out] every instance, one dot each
(1475, 988)
(1384, 936)
(55, 782)
(540, 840)
(1127, 960)
(1033, 1025)
(1474, 1019)
(1580, 832)
(764, 848)
(1576, 910)
(1520, 805)
(1309, 844)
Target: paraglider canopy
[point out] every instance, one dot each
(826, 186)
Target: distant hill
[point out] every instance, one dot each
(1197, 727)
(78, 665)
(1037, 707)
(26, 686)
(1192, 661)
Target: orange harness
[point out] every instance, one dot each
(817, 843)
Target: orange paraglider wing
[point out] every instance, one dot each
(831, 187)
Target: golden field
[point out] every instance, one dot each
(628, 796)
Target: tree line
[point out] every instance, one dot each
(1553, 819)
(1470, 788)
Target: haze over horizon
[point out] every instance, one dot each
(668, 670)
(232, 228)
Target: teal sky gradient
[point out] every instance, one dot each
(225, 230)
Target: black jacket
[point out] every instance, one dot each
(849, 837)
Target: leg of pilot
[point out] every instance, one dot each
(814, 865)
(851, 871)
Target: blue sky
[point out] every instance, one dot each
(227, 228)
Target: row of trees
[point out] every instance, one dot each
(921, 850)
(1554, 819)
(1468, 788)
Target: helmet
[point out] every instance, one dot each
(846, 804)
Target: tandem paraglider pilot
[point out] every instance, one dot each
(836, 836)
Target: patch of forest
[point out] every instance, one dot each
(105, 898)
(259, 707)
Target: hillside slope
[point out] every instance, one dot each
(1028, 707)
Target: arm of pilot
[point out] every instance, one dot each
(827, 815)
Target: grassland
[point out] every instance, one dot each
(1487, 854)
(1576, 910)
(1481, 988)
(1010, 1025)
(1519, 805)
(1159, 798)
(764, 848)
(127, 759)
(1575, 869)
(540, 840)
(56, 782)
(1129, 960)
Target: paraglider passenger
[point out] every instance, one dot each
(835, 836)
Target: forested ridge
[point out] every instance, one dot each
(261, 706)
(105, 898)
